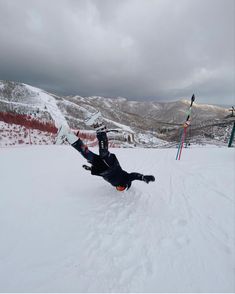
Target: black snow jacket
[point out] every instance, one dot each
(111, 171)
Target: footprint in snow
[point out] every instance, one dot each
(182, 241)
(180, 222)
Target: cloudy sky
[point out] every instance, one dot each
(140, 49)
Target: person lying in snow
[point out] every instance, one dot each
(105, 164)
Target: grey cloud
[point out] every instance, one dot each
(155, 49)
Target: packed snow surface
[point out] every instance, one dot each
(63, 230)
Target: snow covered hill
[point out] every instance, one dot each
(153, 120)
(22, 98)
(14, 135)
(63, 230)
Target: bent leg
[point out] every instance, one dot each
(103, 144)
(108, 158)
(83, 149)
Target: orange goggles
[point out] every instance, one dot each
(120, 188)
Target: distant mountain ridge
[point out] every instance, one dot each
(156, 119)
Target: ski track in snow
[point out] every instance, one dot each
(66, 231)
(50, 102)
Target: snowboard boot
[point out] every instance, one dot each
(65, 134)
(96, 121)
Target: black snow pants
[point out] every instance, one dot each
(100, 162)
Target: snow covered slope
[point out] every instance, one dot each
(13, 135)
(63, 230)
(152, 120)
(24, 99)
(50, 103)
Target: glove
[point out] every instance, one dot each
(148, 179)
(86, 167)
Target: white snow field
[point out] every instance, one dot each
(63, 230)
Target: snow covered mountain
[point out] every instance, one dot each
(151, 120)
(24, 99)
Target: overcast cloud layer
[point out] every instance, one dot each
(139, 49)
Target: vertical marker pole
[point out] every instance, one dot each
(231, 136)
(180, 143)
(186, 124)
